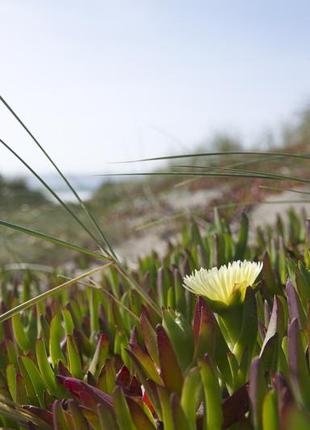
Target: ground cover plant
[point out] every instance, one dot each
(97, 356)
(152, 348)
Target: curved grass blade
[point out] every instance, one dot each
(55, 195)
(211, 154)
(238, 174)
(250, 173)
(84, 207)
(19, 308)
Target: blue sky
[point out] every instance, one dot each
(107, 80)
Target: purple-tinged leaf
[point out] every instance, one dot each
(123, 377)
(62, 370)
(87, 394)
(148, 385)
(170, 370)
(236, 406)
(44, 414)
(284, 395)
(205, 329)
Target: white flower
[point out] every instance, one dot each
(224, 286)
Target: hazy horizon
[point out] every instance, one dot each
(104, 81)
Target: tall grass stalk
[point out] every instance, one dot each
(65, 179)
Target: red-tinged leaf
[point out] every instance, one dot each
(209, 339)
(149, 386)
(62, 370)
(148, 402)
(44, 414)
(204, 328)
(139, 417)
(123, 377)
(134, 388)
(294, 305)
(236, 406)
(87, 394)
(170, 370)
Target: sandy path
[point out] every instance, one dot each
(156, 238)
(266, 213)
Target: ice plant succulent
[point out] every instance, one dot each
(226, 286)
